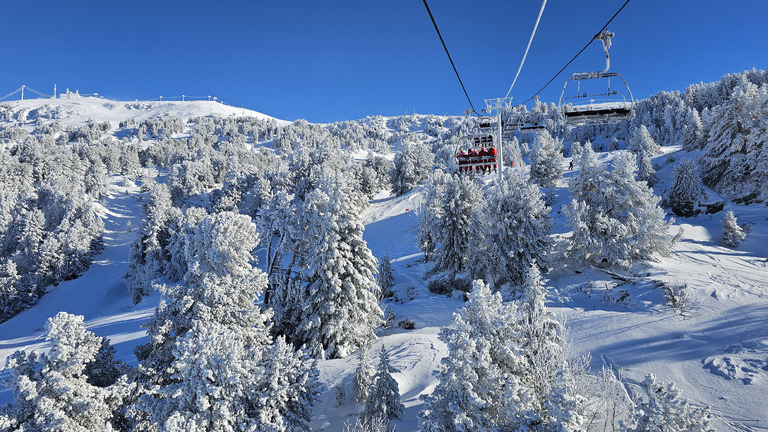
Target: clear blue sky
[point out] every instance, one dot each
(333, 60)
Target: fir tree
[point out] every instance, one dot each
(643, 146)
(693, 132)
(686, 190)
(341, 395)
(546, 162)
(666, 410)
(364, 375)
(733, 234)
(616, 219)
(384, 398)
(453, 227)
(10, 300)
(52, 391)
(211, 362)
(479, 387)
(340, 309)
(385, 277)
(412, 165)
(516, 230)
(430, 211)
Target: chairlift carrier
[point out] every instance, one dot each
(610, 110)
(481, 155)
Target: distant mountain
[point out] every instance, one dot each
(74, 110)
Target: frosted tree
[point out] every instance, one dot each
(693, 131)
(615, 218)
(643, 146)
(211, 363)
(10, 299)
(149, 254)
(364, 375)
(733, 234)
(666, 410)
(430, 211)
(512, 154)
(52, 391)
(686, 190)
(384, 399)
(553, 371)
(734, 156)
(181, 230)
(412, 165)
(340, 309)
(453, 225)
(385, 279)
(516, 229)
(479, 387)
(546, 161)
(33, 234)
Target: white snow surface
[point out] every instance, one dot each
(717, 352)
(78, 110)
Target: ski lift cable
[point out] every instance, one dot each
(11, 93)
(541, 11)
(449, 55)
(579, 53)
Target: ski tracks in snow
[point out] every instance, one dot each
(98, 294)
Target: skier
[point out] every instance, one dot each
(492, 157)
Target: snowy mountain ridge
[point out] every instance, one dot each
(75, 110)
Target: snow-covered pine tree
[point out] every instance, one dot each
(149, 255)
(364, 375)
(734, 156)
(453, 227)
(182, 230)
(666, 410)
(733, 234)
(10, 300)
(384, 398)
(512, 154)
(686, 190)
(516, 231)
(479, 387)
(546, 161)
(412, 165)
(340, 309)
(52, 391)
(430, 211)
(615, 218)
(643, 146)
(693, 131)
(211, 362)
(385, 277)
(553, 371)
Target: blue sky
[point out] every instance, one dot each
(337, 60)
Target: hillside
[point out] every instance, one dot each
(715, 349)
(74, 110)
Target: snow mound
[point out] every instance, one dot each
(746, 361)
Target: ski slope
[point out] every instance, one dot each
(716, 351)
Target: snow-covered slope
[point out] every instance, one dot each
(716, 351)
(75, 110)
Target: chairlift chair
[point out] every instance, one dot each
(479, 157)
(607, 107)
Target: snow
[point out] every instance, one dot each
(76, 110)
(716, 352)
